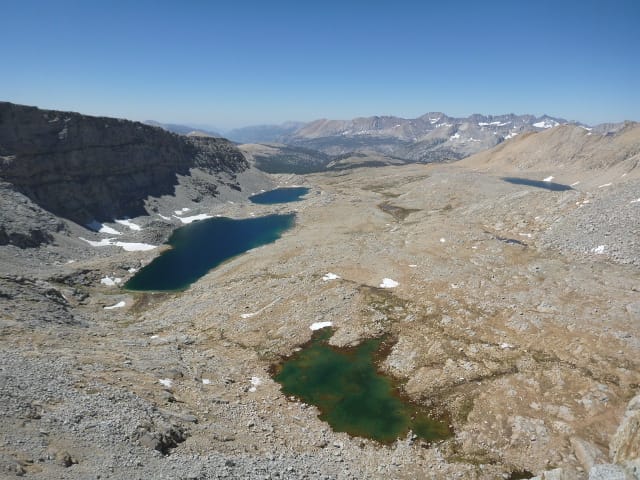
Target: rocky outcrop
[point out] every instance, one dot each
(84, 168)
(23, 223)
(625, 444)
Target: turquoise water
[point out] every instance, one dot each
(352, 395)
(203, 245)
(280, 195)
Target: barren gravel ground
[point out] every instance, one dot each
(507, 321)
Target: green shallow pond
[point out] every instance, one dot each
(351, 394)
(203, 245)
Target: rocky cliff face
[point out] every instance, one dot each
(84, 168)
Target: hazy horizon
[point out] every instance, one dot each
(252, 63)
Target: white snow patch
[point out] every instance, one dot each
(127, 246)
(548, 179)
(605, 185)
(511, 135)
(206, 381)
(330, 276)
(101, 228)
(574, 184)
(153, 337)
(485, 124)
(255, 381)
(388, 283)
(504, 346)
(128, 223)
(413, 265)
(164, 218)
(586, 128)
(546, 124)
(193, 218)
(528, 235)
(117, 305)
(599, 250)
(442, 240)
(635, 201)
(166, 382)
(319, 325)
(455, 285)
(132, 270)
(181, 211)
(110, 282)
(455, 136)
(134, 247)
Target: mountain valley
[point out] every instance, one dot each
(513, 310)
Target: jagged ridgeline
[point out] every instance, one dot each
(84, 168)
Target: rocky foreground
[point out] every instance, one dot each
(516, 317)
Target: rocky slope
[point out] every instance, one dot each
(91, 168)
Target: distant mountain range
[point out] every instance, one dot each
(431, 137)
(264, 133)
(189, 130)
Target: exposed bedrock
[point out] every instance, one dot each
(83, 168)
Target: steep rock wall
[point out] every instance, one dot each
(83, 168)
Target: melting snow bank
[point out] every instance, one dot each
(130, 224)
(99, 227)
(388, 283)
(255, 381)
(117, 305)
(128, 246)
(330, 276)
(548, 179)
(599, 250)
(166, 382)
(319, 325)
(110, 282)
(193, 218)
(635, 201)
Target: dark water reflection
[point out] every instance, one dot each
(556, 187)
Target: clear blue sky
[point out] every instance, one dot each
(237, 63)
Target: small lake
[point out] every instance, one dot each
(351, 394)
(203, 245)
(556, 187)
(280, 195)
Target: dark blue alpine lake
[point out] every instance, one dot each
(280, 195)
(556, 187)
(203, 245)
